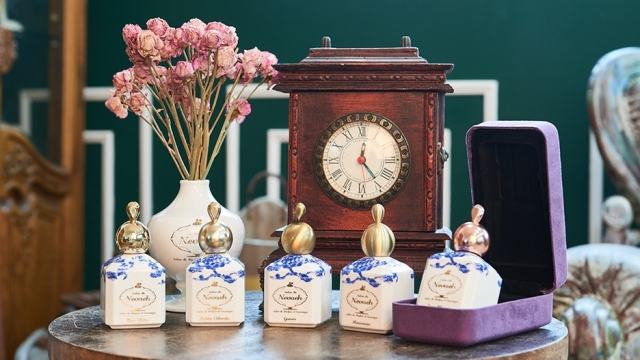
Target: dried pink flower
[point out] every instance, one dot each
(226, 58)
(184, 69)
(149, 45)
(193, 31)
(134, 55)
(266, 66)
(233, 71)
(137, 102)
(203, 62)
(141, 74)
(230, 37)
(122, 81)
(251, 60)
(116, 106)
(227, 33)
(210, 41)
(158, 26)
(130, 34)
(173, 44)
(239, 109)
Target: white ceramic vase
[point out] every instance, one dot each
(174, 233)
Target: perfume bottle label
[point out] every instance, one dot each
(290, 296)
(137, 297)
(362, 300)
(185, 239)
(444, 284)
(214, 296)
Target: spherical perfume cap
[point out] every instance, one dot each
(471, 236)
(298, 237)
(215, 237)
(132, 237)
(377, 239)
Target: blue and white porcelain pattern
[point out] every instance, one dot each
(368, 287)
(215, 291)
(297, 291)
(207, 267)
(459, 280)
(442, 260)
(127, 262)
(365, 265)
(132, 292)
(291, 262)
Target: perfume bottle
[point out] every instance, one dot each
(297, 287)
(132, 288)
(461, 279)
(370, 285)
(215, 281)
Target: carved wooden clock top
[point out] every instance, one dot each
(389, 69)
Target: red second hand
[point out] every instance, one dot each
(361, 161)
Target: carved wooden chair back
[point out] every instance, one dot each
(32, 251)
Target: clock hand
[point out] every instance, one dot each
(363, 161)
(369, 170)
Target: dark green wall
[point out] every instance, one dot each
(30, 69)
(541, 53)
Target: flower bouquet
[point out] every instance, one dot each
(184, 69)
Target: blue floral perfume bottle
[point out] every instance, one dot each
(215, 282)
(461, 279)
(370, 285)
(132, 286)
(297, 287)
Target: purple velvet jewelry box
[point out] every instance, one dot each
(515, 173)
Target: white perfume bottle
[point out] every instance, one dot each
(461, 279)
(215, 282)
(132, 286)
(369, 286)
(297, 287)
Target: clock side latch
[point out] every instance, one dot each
(443, 155)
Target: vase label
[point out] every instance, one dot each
(185, 239)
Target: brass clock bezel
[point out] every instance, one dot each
(401, 144)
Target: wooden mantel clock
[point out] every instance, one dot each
(366, 126)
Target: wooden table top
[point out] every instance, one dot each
(83, 335)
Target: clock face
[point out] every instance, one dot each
(362, 159)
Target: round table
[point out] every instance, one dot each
(82, 334)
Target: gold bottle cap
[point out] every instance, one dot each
(377, 239)
(132, 237)
(215, 237)
(471, 236)
(298, 237)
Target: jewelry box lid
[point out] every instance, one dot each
(515, 173)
